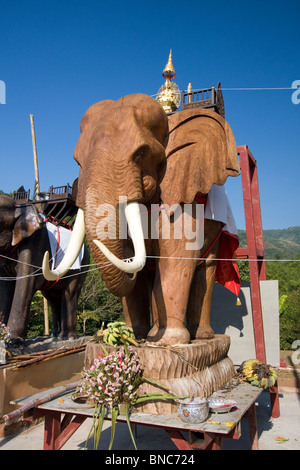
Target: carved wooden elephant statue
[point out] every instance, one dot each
(130, 150)
(24, 239)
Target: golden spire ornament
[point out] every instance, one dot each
(169, 94)
(169, 71)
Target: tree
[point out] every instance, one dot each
(290, 320)
(6, 194)
(288, 276)
(96, 304)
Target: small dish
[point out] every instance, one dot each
(221, 405)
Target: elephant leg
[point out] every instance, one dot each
(199, 305)
(170, 296)
(20, 309)
(6, 297)
(136, 306)
(174, 274)
(68, 311)
(55, 304)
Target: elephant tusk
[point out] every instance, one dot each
(133, 217)
(72, 251)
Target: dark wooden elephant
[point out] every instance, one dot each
(23, 242)
(130, 150)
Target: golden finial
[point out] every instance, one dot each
(169, 71)
(169, 94)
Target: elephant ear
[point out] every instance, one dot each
(27, 222)
(201, 152)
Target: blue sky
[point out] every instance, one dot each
(59, 57)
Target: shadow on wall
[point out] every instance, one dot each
(225, 313)
(237, 321)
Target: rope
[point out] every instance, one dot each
(95, 267)
(258, 89)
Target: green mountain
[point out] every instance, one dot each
(278, 243)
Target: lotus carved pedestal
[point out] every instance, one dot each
(201, 367)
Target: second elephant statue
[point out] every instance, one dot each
(24, 238)
(130, 150)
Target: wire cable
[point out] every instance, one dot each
(96, 266)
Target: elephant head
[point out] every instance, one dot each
(122, 153)
(17, 222)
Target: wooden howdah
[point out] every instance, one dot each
(201, 367)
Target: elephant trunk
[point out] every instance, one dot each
(118, 275)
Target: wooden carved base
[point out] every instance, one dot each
(201, 367)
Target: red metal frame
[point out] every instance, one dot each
(255, 253)
(61, 425)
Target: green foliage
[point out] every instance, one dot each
(244, 270)
(282, 304)
(96, 304)
(290, 320)
(287, 272)
(281, 245)
(6, 194)
(288, 275)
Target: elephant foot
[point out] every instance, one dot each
(154, 335)
(54, 333)
(201, 332)
(72, 337)
(15, 346)
(140, 331)
(67, 336)
(169, 335)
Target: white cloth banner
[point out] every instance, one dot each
(218, 208)
(63, 235)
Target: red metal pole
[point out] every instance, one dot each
(253, 434)
(51, 429)
(247, 176)
(274, 398)
(257, 219)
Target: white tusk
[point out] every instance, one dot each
(72, 251)
(133, 217)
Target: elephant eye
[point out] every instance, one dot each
(140, 153)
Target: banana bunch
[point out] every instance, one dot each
(258, 373)
(117, 333)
